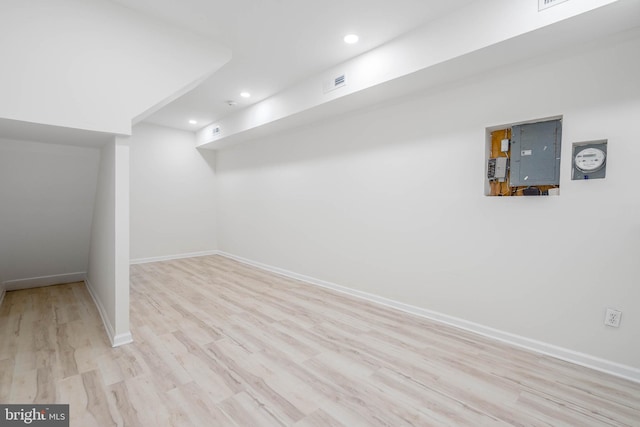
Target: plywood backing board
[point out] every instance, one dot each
(499, 188)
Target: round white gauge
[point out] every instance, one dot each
(590, 160)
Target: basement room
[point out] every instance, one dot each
(312, 214)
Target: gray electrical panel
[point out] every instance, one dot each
(535, 153)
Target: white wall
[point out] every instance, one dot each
(173, 207)
(46, 207)
(108, 273)
(390, 201)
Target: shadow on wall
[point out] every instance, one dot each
(210, 158)
(47, 194)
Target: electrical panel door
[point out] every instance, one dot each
(535, 154)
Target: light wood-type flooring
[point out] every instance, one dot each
(218, 343)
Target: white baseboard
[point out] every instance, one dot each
(122, 339)
(37, 282)
(627, 372)
(172, 257)
(115, 340)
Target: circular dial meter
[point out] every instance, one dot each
(590, 160)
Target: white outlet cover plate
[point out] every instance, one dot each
(546, 4)
(612, 317)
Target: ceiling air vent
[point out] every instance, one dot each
(335, 83)
(545, 4)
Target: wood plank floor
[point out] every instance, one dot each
(218, 343)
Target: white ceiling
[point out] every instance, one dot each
(276, 43)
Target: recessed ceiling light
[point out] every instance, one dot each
(193, 122)
(245, 94)
(351, 38)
